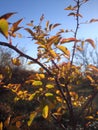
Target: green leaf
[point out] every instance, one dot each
(32, 116)
(37, 83)
(45, 111)
(4, 27)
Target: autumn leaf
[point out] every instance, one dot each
(55, 25)
(16, 61)
(31, 118)
(53, 54)
(47, 24)
(91, 42)
(69, 8)
(79, 48)
(48, 94)
(45, 111)
(15, 27)
(30, 31)
(64, 50)
(67, 40)
(37, 83)
(72, 14)
(93, 20)
(4, 27)
(6, 16)
(49, 86)
(1, 125)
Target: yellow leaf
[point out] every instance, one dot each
(4, 27)
(37, 83)
(64, 50)
(16, 61)
(32, 116)
(53, 53)
(49, 86)
(48, 94)
(91, 42)
(45, 111)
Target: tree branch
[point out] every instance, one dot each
(26, 56)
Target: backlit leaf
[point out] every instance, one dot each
(91, 42)
(53, 53)
(45, 111)
(4, 27)
(64, 50)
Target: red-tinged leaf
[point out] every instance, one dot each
(67, 40)
(8, 15)
(91, 42)
(93, 20)
(64, 50)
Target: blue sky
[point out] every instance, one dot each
(54, 12)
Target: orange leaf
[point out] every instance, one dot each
(66, 40)
(91, 42)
